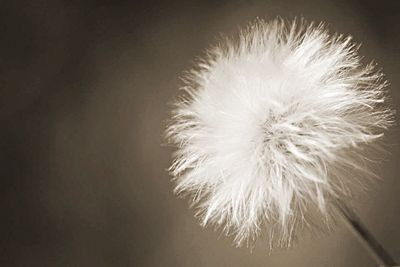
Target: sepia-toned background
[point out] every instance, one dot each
(85, 87)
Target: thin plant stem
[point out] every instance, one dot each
(381, 255)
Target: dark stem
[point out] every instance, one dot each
(381, 256)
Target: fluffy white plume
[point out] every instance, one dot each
(273, 127)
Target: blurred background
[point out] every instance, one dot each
(85, 87)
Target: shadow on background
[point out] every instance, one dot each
(85, 87)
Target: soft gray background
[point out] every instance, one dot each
(84, 91)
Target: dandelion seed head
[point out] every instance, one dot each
(273, 126)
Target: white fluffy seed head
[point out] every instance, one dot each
(273, 127)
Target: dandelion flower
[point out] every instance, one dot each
(273, 127)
